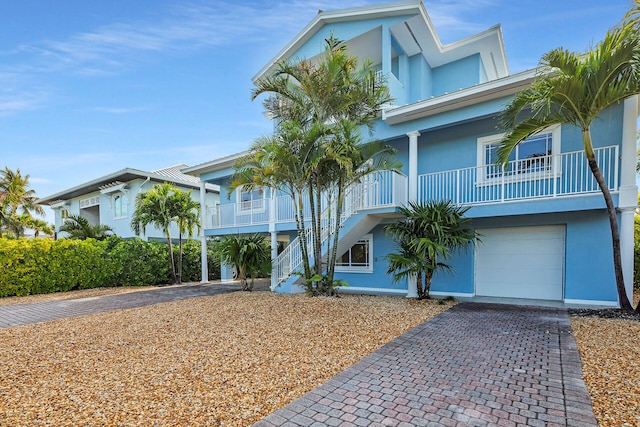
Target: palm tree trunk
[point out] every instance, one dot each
(428, 276)
(318, 243)
(302, 235)
(314, 232)
(179, 272)
(173, 263)
(331, 267)
(613, 222)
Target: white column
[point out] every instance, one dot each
(203, 240)
(412, 288)
(413, 165)
(272, 229)
(628, 197)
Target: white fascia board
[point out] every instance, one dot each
(462, 98)
(328, 17)
(214, 165)
(90, 186)
(93, 185)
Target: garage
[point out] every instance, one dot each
(521, 262)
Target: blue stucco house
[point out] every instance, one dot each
(545, 232)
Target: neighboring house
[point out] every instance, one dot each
(110, 200)
(544, 227)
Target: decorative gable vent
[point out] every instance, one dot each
(91, 201)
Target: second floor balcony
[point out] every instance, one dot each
(538, 178)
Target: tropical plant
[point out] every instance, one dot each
(317, 150)
(17, 202)
(155, 207)
(161, 206)
(427, 235)
(187, 216)
(575, 88)
(249, 254)
(79, 227)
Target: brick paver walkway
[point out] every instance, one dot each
(23, 314)
(474, 365)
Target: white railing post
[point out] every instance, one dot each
(457, 186)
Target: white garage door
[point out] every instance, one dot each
(521, 262)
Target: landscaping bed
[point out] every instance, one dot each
(609, 345)
(227, 360)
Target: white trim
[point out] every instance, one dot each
(590, 303)
(452, 294)
(484, 141)
(371, 291)
(124, 204)
(350, 269)
(112, 188)
(250, 203)
(478, 94)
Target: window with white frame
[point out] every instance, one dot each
(251, 200)
(532, 156)
(359, 257)
(64, 214)
(120, 206)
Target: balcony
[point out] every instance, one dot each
(539, 178)
(375, 191)
(544, 177)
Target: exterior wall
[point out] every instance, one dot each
(378, 279)
(122, 226)
(421, 75)
(456, 75)
(343, 31)
(594, 283)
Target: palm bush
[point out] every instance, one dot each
(250, 255)
(426, 237)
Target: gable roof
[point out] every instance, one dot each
(417, 31)
(169, 174)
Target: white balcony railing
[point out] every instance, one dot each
(566, 174)
(381, 189)
(377, 190)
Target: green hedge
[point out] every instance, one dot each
(44, 266)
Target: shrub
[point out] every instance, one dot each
(138, 263)
(43, 266)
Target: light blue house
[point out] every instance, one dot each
(110, 199)
(545, 231)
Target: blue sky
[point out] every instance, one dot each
(91, 87)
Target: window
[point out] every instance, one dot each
(532, 156)
(64, 214)
(251, 200)
(120, 206)
(359, 258)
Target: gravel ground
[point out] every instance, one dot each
(232, 359)
(227, 360)
(609, 345)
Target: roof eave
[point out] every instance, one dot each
(324, 17)
(495, 89)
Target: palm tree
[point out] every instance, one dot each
(79, 227)
(574, 88)
(187, 216)
(16, 199)
(155, 207)
(315, 103)
(427, 236)
(249, 254)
